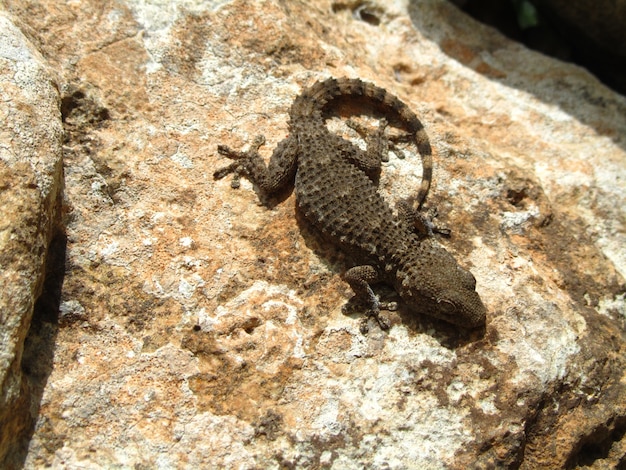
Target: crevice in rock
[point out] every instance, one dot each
(39, 345)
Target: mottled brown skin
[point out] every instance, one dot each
(337, 194)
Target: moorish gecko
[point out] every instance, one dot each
(336, 191)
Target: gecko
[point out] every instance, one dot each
(336, 188)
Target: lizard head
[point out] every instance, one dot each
(434, 284)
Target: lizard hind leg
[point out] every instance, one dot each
(377, 144)
(421, 224)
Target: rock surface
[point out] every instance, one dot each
(31, 182)
(198, 328)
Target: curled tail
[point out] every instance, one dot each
(315, 99)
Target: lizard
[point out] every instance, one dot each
(336, 188)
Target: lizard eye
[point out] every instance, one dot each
(446, 306)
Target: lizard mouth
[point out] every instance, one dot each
(469, 314)
(464, 309)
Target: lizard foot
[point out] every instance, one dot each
(383, 321)
(394, 140)
(431, 215)
(369, 308)
(390, 306)
(378, 142)
(359, 278)
(238, 167)
(375, 312)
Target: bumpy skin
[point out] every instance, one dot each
(336, 190)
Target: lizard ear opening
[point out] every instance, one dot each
(469, 279)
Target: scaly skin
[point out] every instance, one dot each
(336, 190)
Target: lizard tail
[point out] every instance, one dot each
(314, 100)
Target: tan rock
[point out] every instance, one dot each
(201, 329)
(31, 181)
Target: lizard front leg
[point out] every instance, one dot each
(360, 278)
(269, 178)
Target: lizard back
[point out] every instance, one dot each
(310, 105)
(338, 197)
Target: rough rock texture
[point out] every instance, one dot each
(31, 181)
(198, 328)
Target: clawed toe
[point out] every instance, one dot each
(390, 306)
(363, 326)
(383, 321)
(222, 172)
(237, 167)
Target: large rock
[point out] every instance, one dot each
(199, 328)
(31, 181)
(598, 22)
(596, 30)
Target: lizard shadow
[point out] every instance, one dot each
(337, 260)
(448, 335)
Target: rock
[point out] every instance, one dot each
(596, 29)
(31, 182)
(600, 22)
(199, 328)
